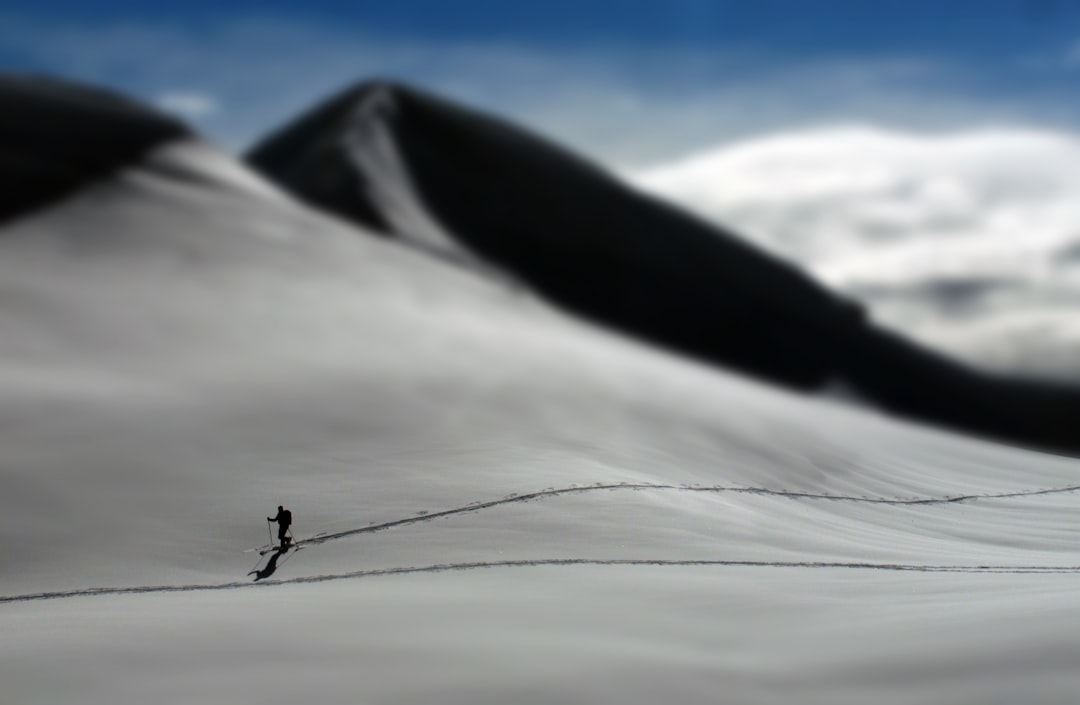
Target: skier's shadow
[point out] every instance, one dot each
(271, 565)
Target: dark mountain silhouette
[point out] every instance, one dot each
(58, 136)
(380, 152)
(566, 228)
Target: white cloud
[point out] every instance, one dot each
(962, 239)
(820, 195)
(188, 104)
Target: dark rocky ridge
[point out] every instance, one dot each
(633, 263)
(569, 230)
(56, 137)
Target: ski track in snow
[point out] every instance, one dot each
(543, 494)
(446, 567)
(511, 499)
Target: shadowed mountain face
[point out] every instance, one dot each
(464, 184)
(569, 230)
(59, 136)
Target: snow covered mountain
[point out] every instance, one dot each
(465, 184)
(495, 502)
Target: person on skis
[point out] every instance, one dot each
(284, 520)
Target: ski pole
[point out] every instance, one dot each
(270, 531)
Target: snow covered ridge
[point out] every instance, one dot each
(558, 224)
(967, 241)
(452, 180)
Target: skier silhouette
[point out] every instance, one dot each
(284, 520)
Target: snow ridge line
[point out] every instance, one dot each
(551, 492)
(540, 562)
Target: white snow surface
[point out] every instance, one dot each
(968, 241)
(183, 348)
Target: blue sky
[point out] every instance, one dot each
(630, 82)
(969, 27)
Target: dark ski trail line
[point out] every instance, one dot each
(448, 567)
(552, 492)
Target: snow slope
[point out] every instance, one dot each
(184, 348)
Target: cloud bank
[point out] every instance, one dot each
(187, 104)
(968, 240)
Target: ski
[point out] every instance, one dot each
(290, 547)
(260, 549)
(268, 547)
